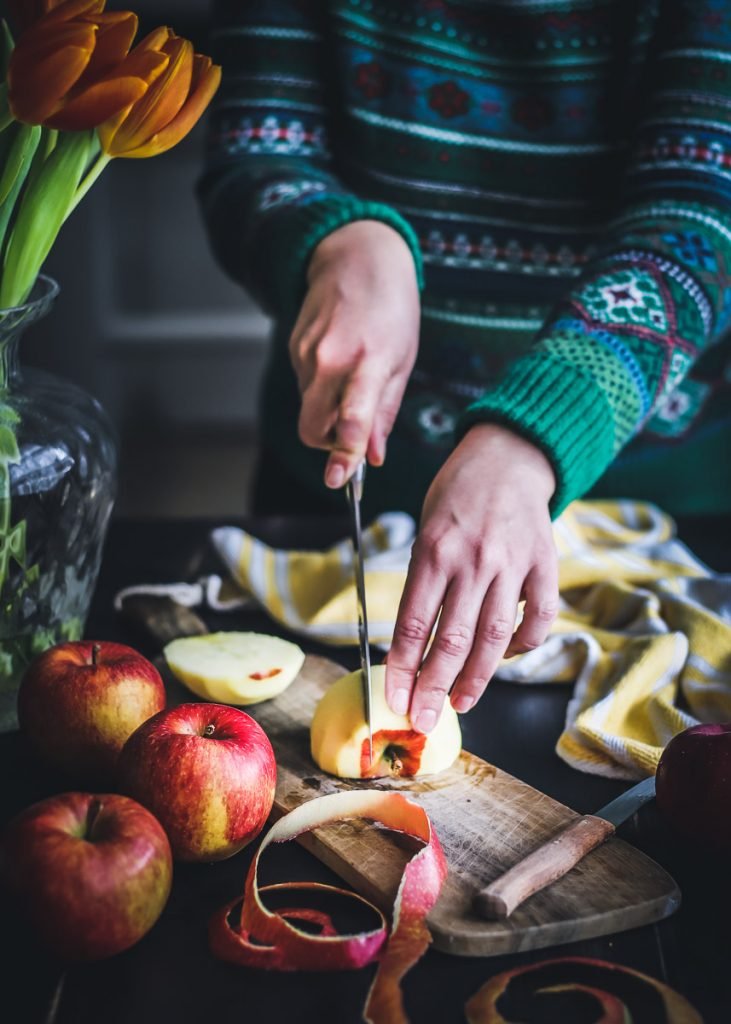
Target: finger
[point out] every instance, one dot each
(353, 426)
(541, 607)
(417, 614)
(307, 331)
(386, 413)
(449, 650)
(495, 627)
(319, 412)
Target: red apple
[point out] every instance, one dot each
(207, 772)
(693, 785)
(92, 873)
(79, 702)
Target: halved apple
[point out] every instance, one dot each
(339, 734)
(234, 668)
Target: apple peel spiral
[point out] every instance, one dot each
(547, 991)
(270, 939)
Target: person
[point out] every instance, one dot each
(495, 241)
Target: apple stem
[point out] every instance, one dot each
(95, 649)
(95, 808)
(209, 730)
(397, 765)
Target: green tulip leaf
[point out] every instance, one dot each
(6, 47)
(19, 158)
(8, 445)
(6, 117)
(42, 211)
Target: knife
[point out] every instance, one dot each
(556, 857)
(354, 492)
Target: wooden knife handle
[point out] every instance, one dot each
(545, 865)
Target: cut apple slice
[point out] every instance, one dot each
(234, 668)
(339, 734)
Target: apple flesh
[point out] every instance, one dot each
(234, 668)
(92, 873)
(693, 785)
(79, 702)
(207, 772)
(339, 734)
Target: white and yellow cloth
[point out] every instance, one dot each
(644, 628)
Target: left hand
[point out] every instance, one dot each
(485, 542)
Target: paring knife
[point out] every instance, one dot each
(354, 491)
(556, 857)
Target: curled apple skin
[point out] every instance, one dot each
(693, 785)
(573, 988)
(270, 939)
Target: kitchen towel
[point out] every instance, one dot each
(643, 631)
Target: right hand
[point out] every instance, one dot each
(354, 344)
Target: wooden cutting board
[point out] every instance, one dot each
(486, 820)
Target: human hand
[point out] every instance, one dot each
(484, 543)
(354, 344)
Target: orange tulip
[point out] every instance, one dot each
(72, 69)
(170, 107)
(25, 12)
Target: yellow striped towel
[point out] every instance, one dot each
(644, 628)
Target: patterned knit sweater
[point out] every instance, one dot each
(561, 170)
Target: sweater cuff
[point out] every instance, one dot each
(288, 238)
(559, 409)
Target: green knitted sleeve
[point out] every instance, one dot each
(659, 291)
(269, 191)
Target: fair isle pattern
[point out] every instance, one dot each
(488, 252)
(564, 155)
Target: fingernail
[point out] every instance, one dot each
(426, 720)
(400, 701)
(335, 476)
(462, 704)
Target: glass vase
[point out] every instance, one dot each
(57, 487)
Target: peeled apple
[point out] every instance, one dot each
(339, 734)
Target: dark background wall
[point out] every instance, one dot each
(147, 322)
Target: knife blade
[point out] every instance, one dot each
(354, 492)
(554, 858)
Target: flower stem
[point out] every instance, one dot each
(87, 181)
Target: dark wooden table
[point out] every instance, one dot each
(170, 975)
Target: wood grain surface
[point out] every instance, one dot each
(486, 820)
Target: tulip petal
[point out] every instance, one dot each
(156, 39)
(114, 37)
(67, 10)
(38, 77)
(147, 66)
(95, 105)
(188, 116)
(163, 100)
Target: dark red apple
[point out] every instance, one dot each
(91, 873)
(693, 785)
(207, 772)
(79, 702)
